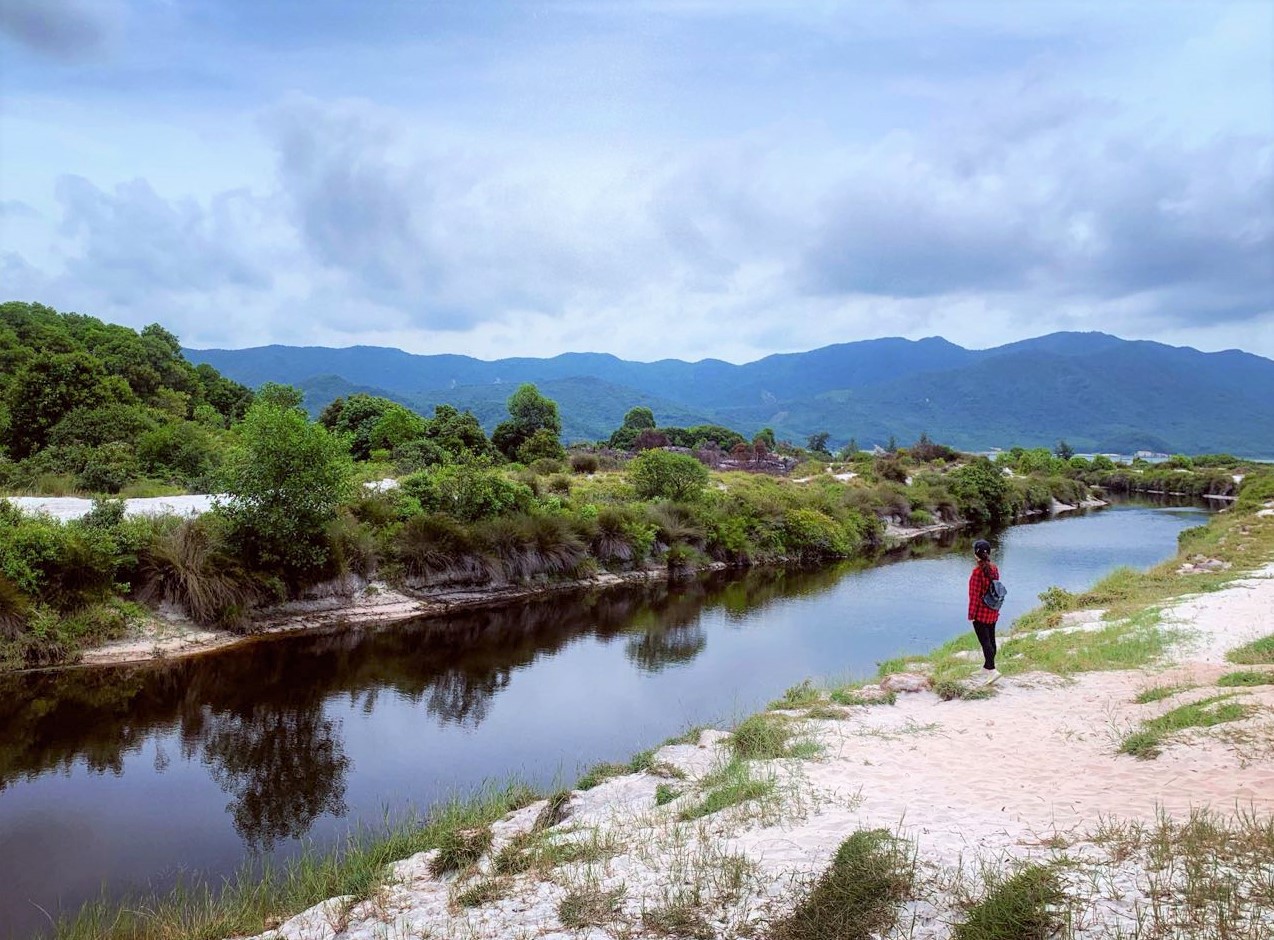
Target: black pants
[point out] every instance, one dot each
(986, 636)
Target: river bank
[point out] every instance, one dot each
(724, 833)
(168, 634)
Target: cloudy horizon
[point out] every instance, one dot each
(654, 179)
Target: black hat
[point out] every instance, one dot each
(982, 548)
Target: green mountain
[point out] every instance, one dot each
(1098, 392)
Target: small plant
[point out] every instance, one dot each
(589, 907)
(460, 848)
(730, 785)
(681, 920)
(557, 809)
(859, 895)
(665, 793)
(1158, 693)
(798, 696)
(766, 737)
(1257, 653)
(600, 773)
(1245, 678)
(483, 892)
(824, 712)
(1022, 907)
(1147, 742)
(951, 689)
(852, 697)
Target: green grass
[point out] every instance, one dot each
(1021, 907)
(1257, 653)
(600, 773)
(539, 850)
(556, 810)
(768, 737)
(665, 793)
(483, 892)
(1147, 742)
(254, 899)
(730, 785)
(589, 907)
(859, 895)
(824, 712)
(852, 696)
(1159, 692)
(798, 696)
(1245, 678)
(950, 690)
(460, 848)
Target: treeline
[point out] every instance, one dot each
(91, 406)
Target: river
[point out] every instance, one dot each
(115, 779)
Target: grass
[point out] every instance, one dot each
(1023, 906)
(555, 810)
(852, 696)
(858, 896)
(1257, 653)
(768, 737)
(1207, 877)
(599, 774)
(1158, 693)
(539, 850)
(483, 892)
(1245, 678)
(1147, 742)
(949, 690)
(730, 785)
(682, 920)
(798, 696)
(460, 848)
(823, 712)
(589, 907)
(258, 898)
(665, 793)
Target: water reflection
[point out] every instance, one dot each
(255, 715)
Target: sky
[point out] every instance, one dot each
(650, 178)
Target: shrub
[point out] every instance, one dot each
(437, 546)
(584, 463)
(191, 567)
(659, 474)
(467, 493)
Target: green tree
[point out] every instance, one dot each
(529, 411)
(1064, 450)
(542, 444)
(280, 396)
(981, 492)
(661, 474)
(639, 418)
(283, 481)
(818, 443)
(50, 386)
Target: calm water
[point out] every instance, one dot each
(127, 777)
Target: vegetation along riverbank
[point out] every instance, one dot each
(375, 512)
(916, 804)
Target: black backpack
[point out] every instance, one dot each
(995, 594)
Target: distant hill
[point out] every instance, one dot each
(1098, 392)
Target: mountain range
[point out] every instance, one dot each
(1098, 392)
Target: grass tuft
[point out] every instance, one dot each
(556, 810)
(483, 892)
(950, 690)
(1024, 906)
(1159, 693)
(460, 848)
(730, 785)
(600, 773)
(858, 896)
(797, 697)
(1245, 678)
(1147, 742)
(589, 907)
(665, 793)
(682, 920)
(1257, 653)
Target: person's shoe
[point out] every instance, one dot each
(992, 676)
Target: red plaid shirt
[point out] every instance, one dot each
(979, 584)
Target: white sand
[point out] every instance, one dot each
(73, 507)
(1012, 777)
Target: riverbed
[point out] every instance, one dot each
(113, 779)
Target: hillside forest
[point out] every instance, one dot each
(373, 492)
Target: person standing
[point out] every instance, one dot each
(983, 617)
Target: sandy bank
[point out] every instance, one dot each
(1032, 773)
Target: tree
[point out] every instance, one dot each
(280, 396)
(818, 443)
(850, 450)
(981, 492)
(283, 481)
(1064, 450)
(529, 411)
(50, 386)
(766, 436)
(662, 474)
(639, 418)
(892, 446)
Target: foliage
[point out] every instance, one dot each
(529, 412)
(466, 493)
(191, 566)
(660, 474)
(284, 479)
(981, 493)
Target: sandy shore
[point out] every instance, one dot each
(1029, 774)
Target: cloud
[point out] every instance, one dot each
(131, 242)
(62, 29)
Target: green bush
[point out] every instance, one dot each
(467, 493)
(191, 566)
(584, 463)
(661, 474)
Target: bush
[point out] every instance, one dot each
(467, 493)
(584, 463)
(659, 474)
(191, 567)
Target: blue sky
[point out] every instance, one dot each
(652, 179)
